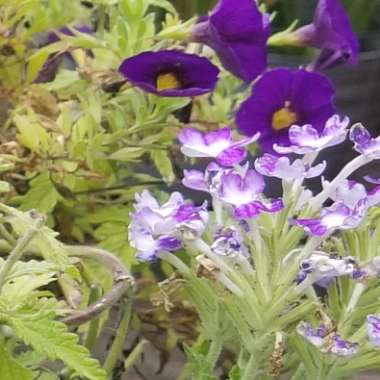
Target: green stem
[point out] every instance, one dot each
(134, 355)
(249, 370)
(20, 247)
(214, 352)
(118, 344)
(7, 236)
(93, 328)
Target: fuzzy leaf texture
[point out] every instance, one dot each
(50, 337)
(10, 369)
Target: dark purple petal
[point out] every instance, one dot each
(253, 209)
(238, 32)
(188, 74)
(281, 98)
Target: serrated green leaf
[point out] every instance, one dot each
(164, 4)
(42, 195)
(10, 369)
(127, 154)
(51, 337)
(35, 64)
(200, 367)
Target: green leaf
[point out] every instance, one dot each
(163, 164)
(127, 154)
(51, 337)
(200, 367)
(4, 187)
(36, 63)
(164, 4)
(10, 369)
(42, 195)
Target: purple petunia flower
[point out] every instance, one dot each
(330, 31)
(243, 190)
(373, 329)
(170, 73)
(338, 216)
(322, 269)
(327, 341)
(216, 144)
(306, 139)
(280, 167)
(281, 98)
(238, 33)
(364, 143)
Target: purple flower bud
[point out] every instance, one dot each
(216, 144)
(192, 220)
(228, 242)
(280, 167)
(307, 139)
(171, 73)
(364, 143)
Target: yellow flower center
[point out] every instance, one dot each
(167, 81)
(284, 118)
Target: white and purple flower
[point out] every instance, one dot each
(321, 269)
(157, 228)
(243, 191)
(337, 216)
(373, 329)
(306, 139)
(281, 167)
(327, 341)
(215, 144)
(364, 143)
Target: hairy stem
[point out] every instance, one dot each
(21, 244)
(122, 282)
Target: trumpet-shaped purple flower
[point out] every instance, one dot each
(281, 98)
(330, 31)
(306, 139)
(170, 73)
(338, 216)
(327, 341)
(364, 143)
(216, 144)
(373, 329)
(281, 167)
(243, 192)
(238, 33)
(322, 269)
